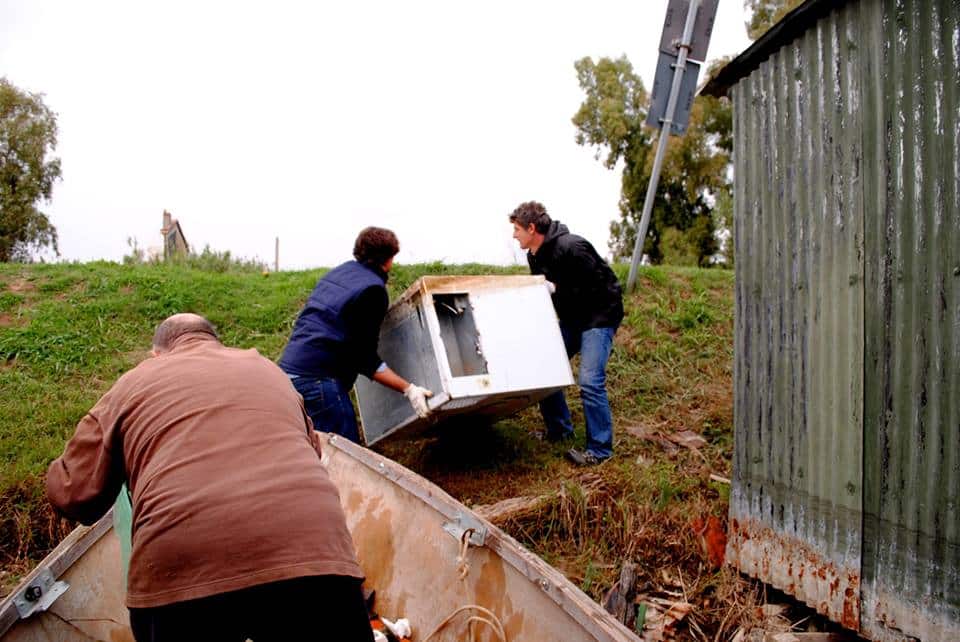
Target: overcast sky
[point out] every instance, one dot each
(308, 121)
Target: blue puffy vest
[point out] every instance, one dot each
(315, 346)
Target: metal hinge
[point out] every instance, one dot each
(39, 594)
(463, 523)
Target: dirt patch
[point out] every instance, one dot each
(15, 320)
(21, 285)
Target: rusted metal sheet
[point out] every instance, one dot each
(799, 317)
(847, 240)
(796, 566)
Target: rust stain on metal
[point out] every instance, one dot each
(794, 567)
(851, 606)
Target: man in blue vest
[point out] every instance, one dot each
(335, 337)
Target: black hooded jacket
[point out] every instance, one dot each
(588, 294)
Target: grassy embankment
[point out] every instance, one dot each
(68, 331)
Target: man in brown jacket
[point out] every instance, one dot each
(238, 531)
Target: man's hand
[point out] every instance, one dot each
(551, 286)
(417, 397)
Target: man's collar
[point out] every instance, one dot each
(190, 339)
(376, 269)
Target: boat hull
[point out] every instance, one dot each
(426, 555)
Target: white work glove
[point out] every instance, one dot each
(551, 287)
(417, 397)
(400, 628)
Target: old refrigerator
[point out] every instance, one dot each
(485, 345)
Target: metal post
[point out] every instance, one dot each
(662, 142)
(276, 255)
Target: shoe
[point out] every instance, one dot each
(583, 457)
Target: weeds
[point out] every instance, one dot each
(667, 492)
(207, 260)
(9, 301)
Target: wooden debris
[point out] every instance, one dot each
(662, 617)
(669, 441)
(806, 637)
(503, 510)
(621, 595)
(687, 439)
(642, 432)
(668, 579)
(525, 505)
(768, 611)
(773, 625)
(759, 635)
(718, 478)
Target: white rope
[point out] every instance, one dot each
(491, 620)
(462, 567)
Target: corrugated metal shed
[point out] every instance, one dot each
(847, 371)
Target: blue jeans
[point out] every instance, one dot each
(594, 347)
(328, 403)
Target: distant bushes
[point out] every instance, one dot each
(209, 260)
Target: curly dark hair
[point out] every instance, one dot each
(531, 212)
(375, 246)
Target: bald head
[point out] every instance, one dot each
(178, 325)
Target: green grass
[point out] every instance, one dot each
(77, 327)
(67, 331)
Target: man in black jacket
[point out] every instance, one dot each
(589, 305)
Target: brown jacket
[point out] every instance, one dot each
(224, 471)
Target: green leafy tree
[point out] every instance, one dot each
(611, 118)
(723, 220)
(28, 135)
(766, 13)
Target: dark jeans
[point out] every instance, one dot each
(326, 607)
(328, 403)
(594, 347)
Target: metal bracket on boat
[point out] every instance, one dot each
(463, 523)
(39, 594)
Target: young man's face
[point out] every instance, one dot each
(524, 235)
